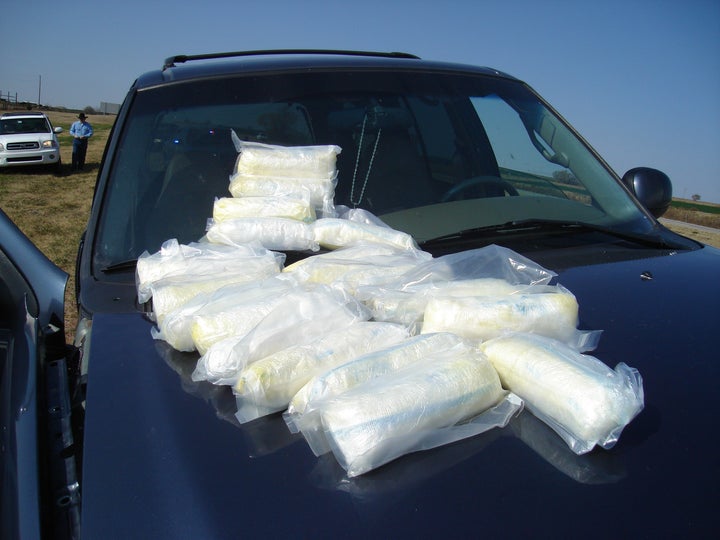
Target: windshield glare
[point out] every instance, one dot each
(429, 154)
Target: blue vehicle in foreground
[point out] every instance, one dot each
(112, 437)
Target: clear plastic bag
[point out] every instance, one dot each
(407, 306)
(410, 409)
(172, 293)
(357, 266)
(488, 271)
(320, 192)
(577, 395)
(202, 258)
(302, 315)
(359, 215)
(261, 159)
(277, 234)
(547, 310)
(487, 262)
(176, 326)
(303, 410)
(296, 208)
(334, 233)
(286, 171)
(236, 312)
(267, 385)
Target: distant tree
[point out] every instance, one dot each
(89, 110)
(695, 197)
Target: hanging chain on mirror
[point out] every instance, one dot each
(357, 164)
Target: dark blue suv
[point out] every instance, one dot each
(113, 436)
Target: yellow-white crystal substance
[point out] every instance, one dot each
(577, 394)
(375, 422)
(271, 382)
(553, 314)
(407, 306)
(296, 208)
(335, 233)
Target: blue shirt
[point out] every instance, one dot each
(81, 129)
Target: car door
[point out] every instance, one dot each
(32, 375)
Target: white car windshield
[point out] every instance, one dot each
(11, 126)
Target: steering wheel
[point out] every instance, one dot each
(491, 186)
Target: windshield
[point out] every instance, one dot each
(430, 154)
(11, 126)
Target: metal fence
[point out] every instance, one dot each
(7, 99)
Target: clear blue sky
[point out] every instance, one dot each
(640, 79)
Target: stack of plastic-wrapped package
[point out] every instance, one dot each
(373, 348)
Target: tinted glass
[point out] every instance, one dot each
(24, 125)
(430, 154)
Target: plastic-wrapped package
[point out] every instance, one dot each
(551, 311)
(334, 233)
(279, 234)
(303, 410)
(202, 258)
(296, 208)
(383, 254)
(286, 171)
(577, 395)
(301, 316)
(403, 298)
(259, 159)
(237, 312)
(359, 215)
(172, 293)
(408, 306)
(267, 385)
(357, 266)
(176, 326)
(320, 192)
(487, 262)
(387, 417)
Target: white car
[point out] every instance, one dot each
(28, 138)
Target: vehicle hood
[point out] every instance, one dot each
(164, 457)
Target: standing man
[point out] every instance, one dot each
(81, 131)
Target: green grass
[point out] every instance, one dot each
(696, 206)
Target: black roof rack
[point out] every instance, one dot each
(181, 58)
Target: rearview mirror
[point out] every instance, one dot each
(651, 187)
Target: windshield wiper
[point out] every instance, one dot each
(549, 225)
(124, 266)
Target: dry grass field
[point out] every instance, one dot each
(52, 209)
(709, 216)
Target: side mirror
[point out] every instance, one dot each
(58, 129)
(651, 187)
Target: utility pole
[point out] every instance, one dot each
(39, 88)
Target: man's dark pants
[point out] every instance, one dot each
(78, 154)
